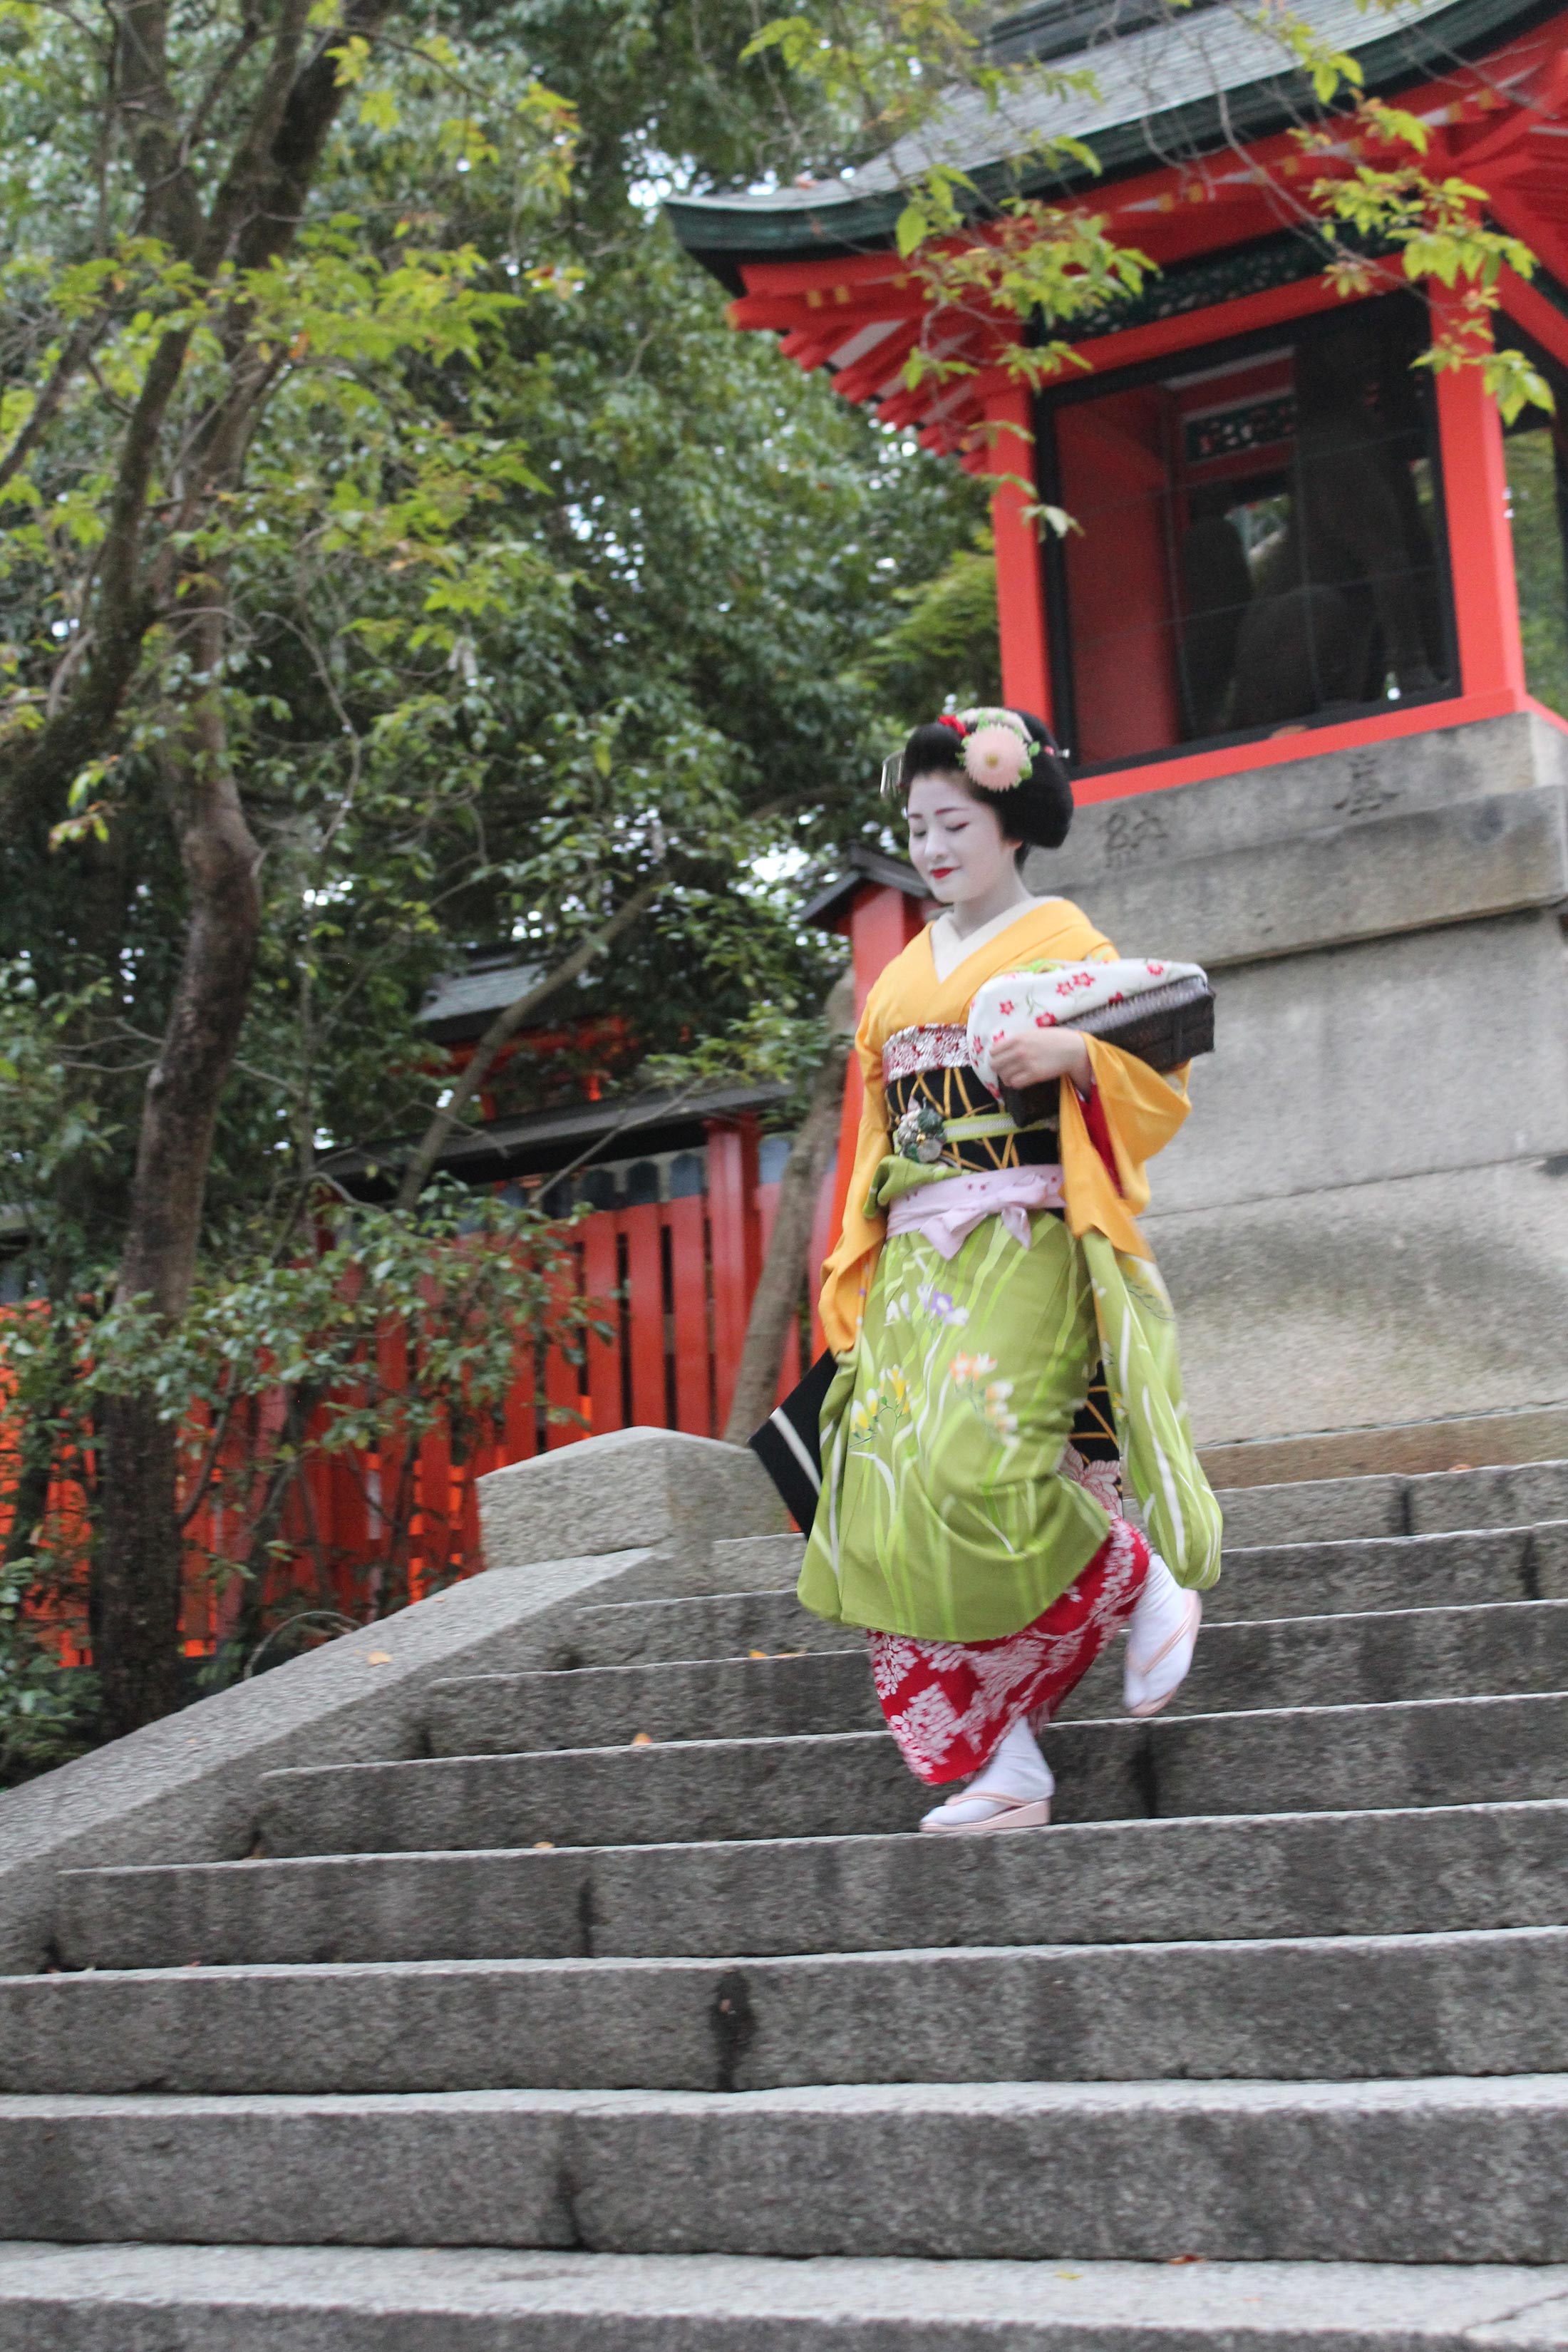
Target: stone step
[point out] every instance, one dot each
(1488, 1651)
(713, 1626)
(183, 2298)
(1307, 1760)
(1432, 1571)
(608, 1706)
(1444, 2170)
(1297, 1580)
(1338, 2008)
(753, 1563)
(1458, 1867)
(1511, 1495)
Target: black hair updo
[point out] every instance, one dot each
(1035, 812)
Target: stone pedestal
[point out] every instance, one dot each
(1365, 1222)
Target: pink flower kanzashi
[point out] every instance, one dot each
(996, 757)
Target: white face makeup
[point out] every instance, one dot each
(957, 845)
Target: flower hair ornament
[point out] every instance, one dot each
(998, 750)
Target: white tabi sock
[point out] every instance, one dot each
(1016, 1767)
(1160, 1634)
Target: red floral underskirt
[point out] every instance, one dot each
(948, 1702)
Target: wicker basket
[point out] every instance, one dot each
(1165, 1027)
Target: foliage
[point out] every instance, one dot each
(392, 1330)
(889, 71)
(947, 640)
(1534, 501)
(48, 1711)
(496, 578)
(388, 1331)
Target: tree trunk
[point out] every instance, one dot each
(777, 1295)
(137, 1614)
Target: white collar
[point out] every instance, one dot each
(948, 950)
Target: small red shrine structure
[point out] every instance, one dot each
(1306, 644)
(1190, 445)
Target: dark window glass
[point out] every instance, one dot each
(1256, 538)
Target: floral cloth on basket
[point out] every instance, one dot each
(1016, 1003)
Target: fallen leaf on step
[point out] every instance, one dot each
(544, 1845)
(1462, 1465)
(642, 1740)
(1176, 2261)
(379, 1658)
(756, 1654)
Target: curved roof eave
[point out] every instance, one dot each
(725, 231)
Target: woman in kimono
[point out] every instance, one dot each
(971, 1447)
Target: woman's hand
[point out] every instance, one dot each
(1039, 1054)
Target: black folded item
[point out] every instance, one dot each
(788, 1444)
(1164, 1027)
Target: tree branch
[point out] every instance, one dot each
(77, 351)
(172, 210)
(421, 1163)
(312, 108)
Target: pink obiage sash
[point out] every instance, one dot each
(945, 1214)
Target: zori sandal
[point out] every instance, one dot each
(977, 1813)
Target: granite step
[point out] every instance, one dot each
(1443, 2170)
(1295, 1579)
(1509, 1494)
(1464, 1570)
(1495, 1650)
(1299, 1759)
(221, 2298)
(1336, 2009)
(1357, 1873)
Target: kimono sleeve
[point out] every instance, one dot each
(847, 1270)
(1137, 1111)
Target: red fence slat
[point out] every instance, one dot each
(600, 1278)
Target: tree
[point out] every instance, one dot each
(401, 553)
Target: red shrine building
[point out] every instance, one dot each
(1306, 643)
(1192, 413)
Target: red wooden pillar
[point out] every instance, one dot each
(1020, 583)
(736, 1244)
(1480, 543)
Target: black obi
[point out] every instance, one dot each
(928, 1085)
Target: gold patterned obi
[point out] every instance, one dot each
(942, 1113)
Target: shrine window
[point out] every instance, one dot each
(1255, 539)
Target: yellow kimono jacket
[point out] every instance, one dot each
(1143, 1111)
(945, 1513)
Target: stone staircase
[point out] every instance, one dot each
(630, 2014)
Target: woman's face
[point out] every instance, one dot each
(956, 843)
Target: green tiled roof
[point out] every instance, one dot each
(1169, 86)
